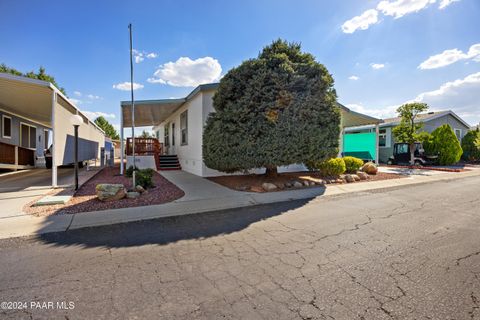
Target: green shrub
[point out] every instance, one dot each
(471, 145)
(427, 142)
(446, 145)
(329, 168)
(144, 178)
(129, 171)
(352, 164)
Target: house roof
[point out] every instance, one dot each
(154, 112)
(423, 117)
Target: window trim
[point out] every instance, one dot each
(3, 126)
(29, 138)
(388, 137)
(184, 143)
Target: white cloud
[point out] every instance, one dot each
(377, 66)
(125, 86)
(461, 95)
(353, 78)
(361, 22)
(395, 8)
(93, 97)
(77, 93)
(139, 56)
(446, 3)
(92, 115)
(186, 72)
(399, 8)
(451, 56)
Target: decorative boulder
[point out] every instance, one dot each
(369, 168)
(110, 192)
(306, 183)
(140, 189)
(362, 175)
(269, 186)
(133, 195)
(355, 177)
(297, 184)
(349, 178)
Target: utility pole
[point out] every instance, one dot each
(133, 106)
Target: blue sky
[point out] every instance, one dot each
(380, 53)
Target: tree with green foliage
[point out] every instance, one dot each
(471, 145)
(408, 130)
(274, 110)
(146, 134)
(41, 75)
(107, 128)
(445, 143)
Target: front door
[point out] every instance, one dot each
(173, 133)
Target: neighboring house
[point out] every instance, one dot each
(430, 120)
(179, 123)
(35, 116)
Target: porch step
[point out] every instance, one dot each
(169, 162)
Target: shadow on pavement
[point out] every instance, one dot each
(168, 230)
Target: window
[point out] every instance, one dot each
(402, 148)
(28, 136)
(46, 139)
(173, 134)
(7, 127)
(458, 133)
(184, 127)
(384, 138)
(166, 135)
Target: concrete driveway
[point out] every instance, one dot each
(19, 188)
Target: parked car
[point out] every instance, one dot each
(401, 155)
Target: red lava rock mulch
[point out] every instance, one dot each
(429, 168)
(85, 199)
(253, 182)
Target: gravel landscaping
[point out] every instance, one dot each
(254, 182)
(85, 199)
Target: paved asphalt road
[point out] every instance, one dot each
(409, 253)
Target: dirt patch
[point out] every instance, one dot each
(85, 200)
(253, 182)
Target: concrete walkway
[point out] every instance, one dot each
(203, 196)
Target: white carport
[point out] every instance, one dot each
(42, 103)
(147, 113)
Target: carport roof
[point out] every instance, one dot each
(154, 112)
(31, 99)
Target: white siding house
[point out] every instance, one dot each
(179, 123)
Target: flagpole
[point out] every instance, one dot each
(133, 106)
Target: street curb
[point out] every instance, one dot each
(33, 226)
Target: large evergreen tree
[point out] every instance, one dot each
(277, 109)
(107, 128)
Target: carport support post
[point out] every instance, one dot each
(377, 142)
(122, 147)
(54, 163)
